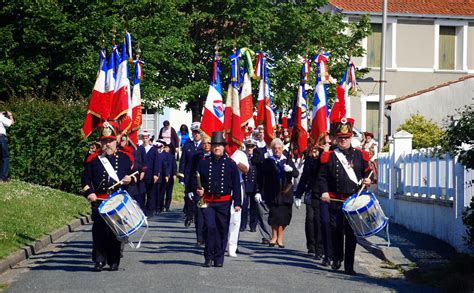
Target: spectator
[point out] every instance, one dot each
(183, 134)
(169, 135)
(6, 120)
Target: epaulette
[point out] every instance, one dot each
(129, 155)
(92, 156)
(324, 158)
(365, 155)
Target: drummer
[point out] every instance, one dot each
(339, 176)
(96, 181)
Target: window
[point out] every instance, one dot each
(372, 116)
(447, 47)
(374, 42)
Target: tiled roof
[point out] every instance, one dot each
(433, 88)
(429, 7)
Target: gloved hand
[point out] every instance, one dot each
(190, 195)
(287, 168)
(297, 202)
(258, 198)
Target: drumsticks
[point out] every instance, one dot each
(362, 188)
(121, 182)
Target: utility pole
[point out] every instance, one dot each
(382, 77)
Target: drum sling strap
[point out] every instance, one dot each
(112, 174)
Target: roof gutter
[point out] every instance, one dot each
(408, 15)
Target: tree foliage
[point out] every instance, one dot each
(50, 48)
(425, 132)
(459, 136)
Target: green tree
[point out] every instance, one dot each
(51, 47)
(459, 136)
(425, 132)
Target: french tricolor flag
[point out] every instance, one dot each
(98, 107)
(213, 112)
(319, 121)
(136, 104)
(348, 81)
(299, 116)
(232, 118)
(265, 113)
(121, 110)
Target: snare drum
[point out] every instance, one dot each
(364, 214)
(122, 214)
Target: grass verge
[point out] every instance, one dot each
(28, 212)
(178, 193)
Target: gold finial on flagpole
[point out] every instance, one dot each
(114, 33)
(102, 39)
(138, 52)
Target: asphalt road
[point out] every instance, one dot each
(169, 261)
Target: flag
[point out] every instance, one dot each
(213, 112)
(128, 42)
(246, 100)
(98, 107)
(232, 121)
(121, 110)
(110, 80)
(136, 104)
(299, 134)
(265, 113)
(348, 81)
(319, 122)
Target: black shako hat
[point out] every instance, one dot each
(218, 138)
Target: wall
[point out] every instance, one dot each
(415, 43)
(435, 105)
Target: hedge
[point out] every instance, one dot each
(45, 143)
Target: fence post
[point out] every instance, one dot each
(402, 144)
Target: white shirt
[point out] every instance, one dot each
(240, 157)
(147, 148)
(4, 123)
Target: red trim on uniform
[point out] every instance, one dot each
(102, 195)
(338, 195)
(91, 157)
(325, 157)
(217, 197)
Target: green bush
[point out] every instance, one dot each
(425, 132)
(45, 143)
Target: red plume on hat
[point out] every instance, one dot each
(338, 110)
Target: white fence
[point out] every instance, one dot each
(423, 192)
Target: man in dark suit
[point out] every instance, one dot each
(190, 148)
(151, 172)
(340, 172)
(249, 206)
(220, 186)
(101, 171)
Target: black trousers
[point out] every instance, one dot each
(249, 212)
(199, 225)
(326, 236)
(169, 193)
(105, 246)
(217, 218)
(312, 227)
(343, 238)
(151, 197)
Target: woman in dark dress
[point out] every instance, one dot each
(276, 183)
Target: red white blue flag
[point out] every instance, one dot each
(299, 118)
(232, 121)
(121, 102)
(265, 113)
(246, 100)
(348, 81)
(136, 104)
(213, 112)
(319, 121)
(98, 109)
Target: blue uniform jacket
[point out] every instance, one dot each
(250, 179)
(186, 161)
(220, 176)
(149, 163)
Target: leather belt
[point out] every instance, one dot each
(342, 196)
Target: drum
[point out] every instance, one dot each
(122, 214)
(364, 214)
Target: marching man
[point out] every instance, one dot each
(339, 176)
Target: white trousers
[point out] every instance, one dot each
(234, 228)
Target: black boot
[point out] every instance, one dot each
(336, 264)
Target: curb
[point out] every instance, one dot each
(379, 252)
(33, 248)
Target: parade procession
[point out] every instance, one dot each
(239, 165)
(237, 146)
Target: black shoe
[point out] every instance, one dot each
(114, 267)
(318, 256)
(271, 244)
(218, 265)
(207, 263)
(98, 267)
(350, 272)
(242, 229)
(187, 223)
(253, 230)
(167, 210)
(326, 262)
(311, 253)
(280, 245)
(199, 244)
(265, 241)
(336, 264)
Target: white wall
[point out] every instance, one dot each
(435, 105)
